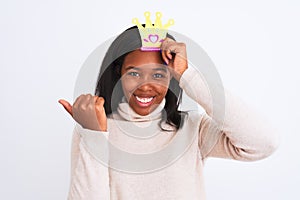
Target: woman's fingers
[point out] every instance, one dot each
(166, 51)
(170, 48)
(82, 102)
(100, 112)
(99, 103)
(174, 55)
(164, 56)
(167, 56)
(66, 105)
(88, 111)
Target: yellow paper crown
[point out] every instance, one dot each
(152, 35)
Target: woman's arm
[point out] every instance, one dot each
(89, 178)
(244, 134)
(230, 129)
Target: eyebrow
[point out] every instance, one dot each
(132, 67)
(138, 68)
(161, 69)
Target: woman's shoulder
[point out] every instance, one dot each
(192, 118)
(193, 115)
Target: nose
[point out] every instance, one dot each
(145, 84)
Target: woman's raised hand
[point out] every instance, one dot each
(175, 56)
(88, 111)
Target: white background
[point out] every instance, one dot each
(254, 45)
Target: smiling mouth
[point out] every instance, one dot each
(144, 101)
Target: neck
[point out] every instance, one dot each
(129, 114)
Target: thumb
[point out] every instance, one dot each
(66, 105)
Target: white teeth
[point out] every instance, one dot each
(144, 100)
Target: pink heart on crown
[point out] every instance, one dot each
(153, 38)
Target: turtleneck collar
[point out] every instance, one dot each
(129, 114)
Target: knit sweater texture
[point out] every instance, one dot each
(137, 160)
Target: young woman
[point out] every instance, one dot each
(155, 151)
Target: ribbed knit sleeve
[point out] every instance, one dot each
(241, 134)
(89, 177)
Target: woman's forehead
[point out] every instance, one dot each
(139, 58)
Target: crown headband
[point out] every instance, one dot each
(152, 35)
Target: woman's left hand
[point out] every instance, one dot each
(175, 56)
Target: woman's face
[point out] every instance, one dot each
(145, 80)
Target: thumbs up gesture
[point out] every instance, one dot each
(88, 111)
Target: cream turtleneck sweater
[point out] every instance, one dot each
(142, 162)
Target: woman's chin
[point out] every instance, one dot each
(143, 111)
